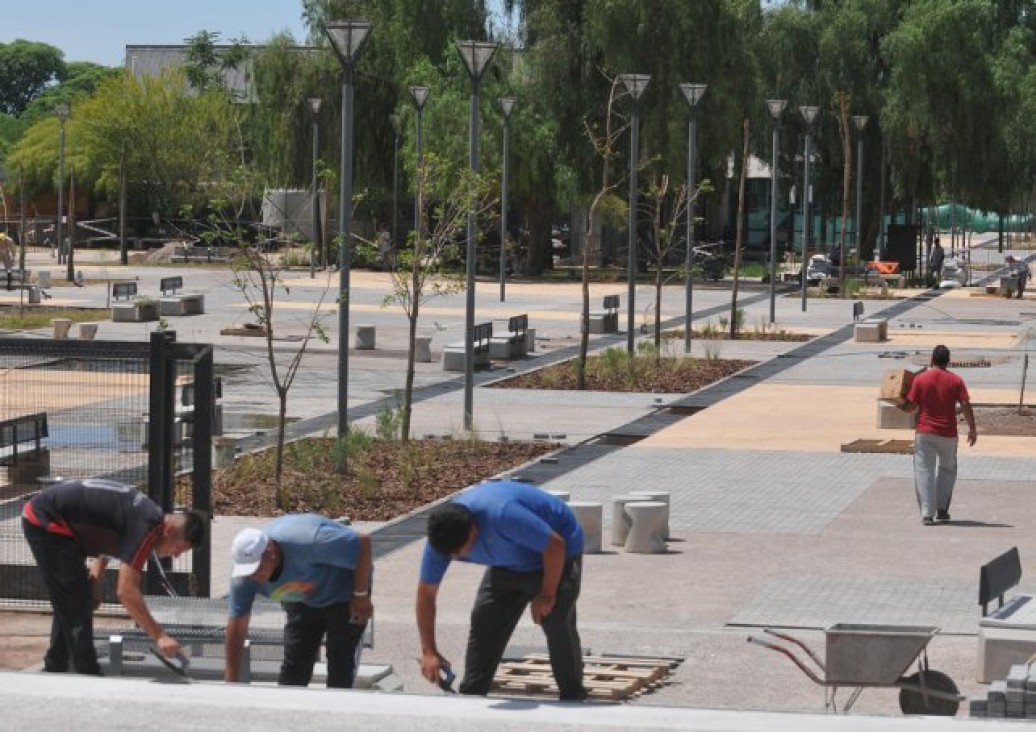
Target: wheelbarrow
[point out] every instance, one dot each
(860, 656)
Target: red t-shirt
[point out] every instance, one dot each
(936, 392)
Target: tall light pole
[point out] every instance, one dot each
(506, 106)
(397, 128)
(808, 114)
(635, 85)
(62, 112)
(318, 247)
(693, 94)
(419, 96)
(776, 110)
(860, 120)
(476, 55)
(347, 38)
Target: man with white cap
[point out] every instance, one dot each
(320, 571)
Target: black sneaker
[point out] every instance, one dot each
(942, 515)
(928, 521)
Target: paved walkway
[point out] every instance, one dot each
(772, 524)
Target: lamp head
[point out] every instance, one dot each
(809, 114)
(419, 94)
(635, 84)
(776, 107)
(397, 123)
(693, 93)
(347, 38)
(476, 55)
(860, 120)
(314, 105)
(62, 111)
(506, 105)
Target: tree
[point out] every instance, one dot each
(425, 270)
(258, 276)
(26, 69)
(664, 241)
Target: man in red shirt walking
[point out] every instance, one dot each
(934, 395)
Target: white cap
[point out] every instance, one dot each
(247, 551)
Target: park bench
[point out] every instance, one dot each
(607, 319)
(1007, 635)
(127, 307)
(29, 428)
(511, 344)
(189, 254)
(199, 625)
(175, 303)
(453, 354)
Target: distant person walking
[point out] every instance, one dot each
(1021, 272)
(532, 546)
(934, 395)
(935, 261)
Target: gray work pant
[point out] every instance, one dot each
(935, 472)
(501, 600)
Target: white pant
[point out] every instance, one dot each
(935, 472)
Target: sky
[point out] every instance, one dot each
(98, 30)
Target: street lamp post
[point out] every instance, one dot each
(397, 128)
(62, 112)
(776, 109)
(318, 248)
(808, 114)
(635, 85)
(419, 95)
(860, 120)
(506, 106)
(347, 38)
(476, 55)
(693, 94)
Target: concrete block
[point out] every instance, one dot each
(453, 358)
(620, 519)
(366, 336)
(590, 515)
(871, 331)
(891, 417)
(61, 327)
(647, 532)
(423, 349)
(662, 497)
(87, 331)
(563, 495)
(124, 312)
(998, 650)
(1017, 675)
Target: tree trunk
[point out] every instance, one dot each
(538, 257)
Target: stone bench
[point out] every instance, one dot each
(87, 331)
(648, 527)
(607, 319)
(176, 303)
(128, 307)
(590, 515)
(366, 337)
(61, 327)
(512, 344)
(1006, 636)
(453, 355)
(871, 330)
(891, 417)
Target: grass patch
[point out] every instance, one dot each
(31, 318)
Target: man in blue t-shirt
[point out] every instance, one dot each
(320, 572)
(532, 545)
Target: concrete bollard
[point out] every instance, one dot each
(34, 295)
(365, 337)
(423, 349)
(43, 279)
(620, 519)
(224, 450)
(61, 327)
(563, 495)
(590, 515)
(530, 340)
(87, 331)
(647, 527)
(661, 496)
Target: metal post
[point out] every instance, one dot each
(635, 85)
(123, 243)
(861, 122)
(397, 129)
(809, 114)
(693, 93)
(506, 105)
(62, 112)
(317, 252)
(776, 108)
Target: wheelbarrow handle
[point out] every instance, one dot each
(790, 654)
(791, 639)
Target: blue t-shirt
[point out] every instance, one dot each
(514, 522)
(319, 558)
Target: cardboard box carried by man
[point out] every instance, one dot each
(895, 385)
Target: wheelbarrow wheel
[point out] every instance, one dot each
(912, 701)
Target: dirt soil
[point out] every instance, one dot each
(1005, 421)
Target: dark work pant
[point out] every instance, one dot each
(63, 566)
(305, 629)
(501, 600)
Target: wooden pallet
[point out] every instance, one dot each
(895, 447)
(611, 678)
